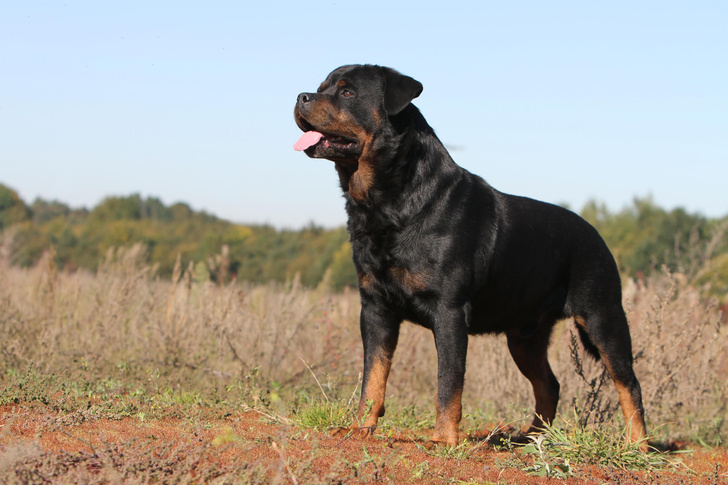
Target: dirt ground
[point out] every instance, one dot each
(39, 447)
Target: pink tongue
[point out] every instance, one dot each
(308, 139)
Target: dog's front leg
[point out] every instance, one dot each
(451, 339)
(380, 332)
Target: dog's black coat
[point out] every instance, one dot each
(438, 246)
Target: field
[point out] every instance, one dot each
(124, 377)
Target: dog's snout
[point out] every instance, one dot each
(304, 98)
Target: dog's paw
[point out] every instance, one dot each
(431, 445)
(353, 432)
(435, 443)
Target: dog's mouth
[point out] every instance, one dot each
(313, 138)
(319, 144)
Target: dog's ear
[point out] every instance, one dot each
(399, 90)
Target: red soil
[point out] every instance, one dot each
(279, 453)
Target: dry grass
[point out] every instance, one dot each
(126, 331)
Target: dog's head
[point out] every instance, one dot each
(353, 104)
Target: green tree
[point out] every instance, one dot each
(12, 208)
(44, 211)
(342, 269)
(644, 236)
(118, 209)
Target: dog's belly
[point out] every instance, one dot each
(494, 312)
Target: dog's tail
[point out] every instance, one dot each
(587, 343)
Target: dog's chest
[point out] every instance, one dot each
(391, 262)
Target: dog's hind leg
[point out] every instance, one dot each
(609, 333)
(530, 354)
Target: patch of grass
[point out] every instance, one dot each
(421, 470)
(409, 417)
(374, 468)
(30, 386)
(78, 398)
(545, 464)
(324, 415)
(559, 448)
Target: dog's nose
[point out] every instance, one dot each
(304, 98)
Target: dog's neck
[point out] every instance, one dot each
(383, 179)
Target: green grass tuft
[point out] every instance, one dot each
(558, 448)
(324, 415)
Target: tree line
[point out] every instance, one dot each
(642, 236)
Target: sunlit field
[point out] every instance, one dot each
(124, 344)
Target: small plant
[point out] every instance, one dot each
(421, 470)
(596, 407)
(410, 417)
(28, 387)
(557, 448)
(324, 415)
(545, 464)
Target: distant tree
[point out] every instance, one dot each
(44, 211)
(642, 237)
(28, 244)
(153, 208)
(12, 208)
(645, 236)
(342, 269)
(118, 209)
(180, 211)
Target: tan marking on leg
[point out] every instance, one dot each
(633, 417)
(374, 390)
(536, 368)
(632, 414)
(447, 423)
(545, 407)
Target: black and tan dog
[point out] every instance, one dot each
(436, 245)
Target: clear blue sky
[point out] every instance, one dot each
(560, 101)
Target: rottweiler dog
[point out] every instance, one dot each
(436, 245)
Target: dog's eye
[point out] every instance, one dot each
(346, 93)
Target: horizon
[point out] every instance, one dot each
(312, 223)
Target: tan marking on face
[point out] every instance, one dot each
(329, 119)
(322, 114)
(376, 116)
(579, 320)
